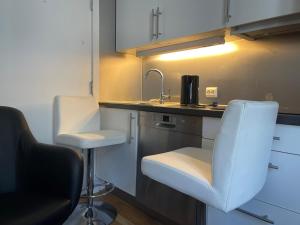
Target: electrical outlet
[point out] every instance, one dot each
(211, 92)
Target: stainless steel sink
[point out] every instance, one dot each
(156, 103)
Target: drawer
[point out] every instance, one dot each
(287, 139)
(283, 184)
(262, 210)
(211, 127)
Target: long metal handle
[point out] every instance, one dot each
(165, 125)
(272, 166)
(264, 218)
(131, 118)
(227, 11)
(158, 14)
(154, 30)
(276, 138)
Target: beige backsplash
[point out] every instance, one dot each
(258, 70)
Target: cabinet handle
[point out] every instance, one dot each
(264, 218)
(227, 11)
(131, 118)
(165, 125)
(154, 30)
(276, 138)
(158, 14)
(272, 166)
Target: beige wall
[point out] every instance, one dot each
(256, 71)
(119, 74)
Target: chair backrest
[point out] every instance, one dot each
(13, 128)
(242, 151)
(75, 114)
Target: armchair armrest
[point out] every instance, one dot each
(56, 170)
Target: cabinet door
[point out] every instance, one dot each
(117, 164)
(245, 11)
(134, 23)
(257, 212)
(282, 185)
(184, 18)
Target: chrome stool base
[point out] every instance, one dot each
(91, 211)
(100, 214)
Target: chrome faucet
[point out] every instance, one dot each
(162, 95)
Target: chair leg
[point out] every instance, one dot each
(90, 181)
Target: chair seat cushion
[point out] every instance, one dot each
(97, 139)
(33, 209)
(187, 170)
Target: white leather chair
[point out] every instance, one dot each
(235, 171)
(77, 124)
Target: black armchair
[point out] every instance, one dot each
(39, 184)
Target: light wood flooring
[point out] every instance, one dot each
(128, 214)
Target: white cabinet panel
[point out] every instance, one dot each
(278, 215)
(283, 184)
(287, 139)
(184, 18)
(211, 127)
(248, 11)
(207, 143)
(117, 164)
(134, 23)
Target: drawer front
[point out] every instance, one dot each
(262, 210)
(287, 139)
(283, 184)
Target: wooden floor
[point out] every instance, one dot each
(128, 214)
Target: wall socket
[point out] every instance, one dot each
(211, 92)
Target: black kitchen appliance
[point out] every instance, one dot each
(189, 90)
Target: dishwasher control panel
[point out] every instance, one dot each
(179, 123)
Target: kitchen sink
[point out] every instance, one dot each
(157, 103)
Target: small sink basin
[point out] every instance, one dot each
(156, 103)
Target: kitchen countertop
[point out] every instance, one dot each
(175, 108)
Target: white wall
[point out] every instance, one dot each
(44, 51)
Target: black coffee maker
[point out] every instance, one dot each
(189, 90)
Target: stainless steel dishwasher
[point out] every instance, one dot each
(160, 133)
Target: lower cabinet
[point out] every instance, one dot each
(253, 213)
(279, 200)
(117, 164)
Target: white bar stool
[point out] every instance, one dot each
(77, 124)
(235, 171)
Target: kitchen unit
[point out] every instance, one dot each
(121, 159)
(245, 12)
(148, 27)
(277, 203)
(141, 23)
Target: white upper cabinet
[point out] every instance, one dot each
(134, 23)
(185, 18)
(143, 22)
(248, 11)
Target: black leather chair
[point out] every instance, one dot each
(39, 184)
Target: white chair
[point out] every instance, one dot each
(235, 171)
(77, 124)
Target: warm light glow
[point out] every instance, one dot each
(199, 52)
